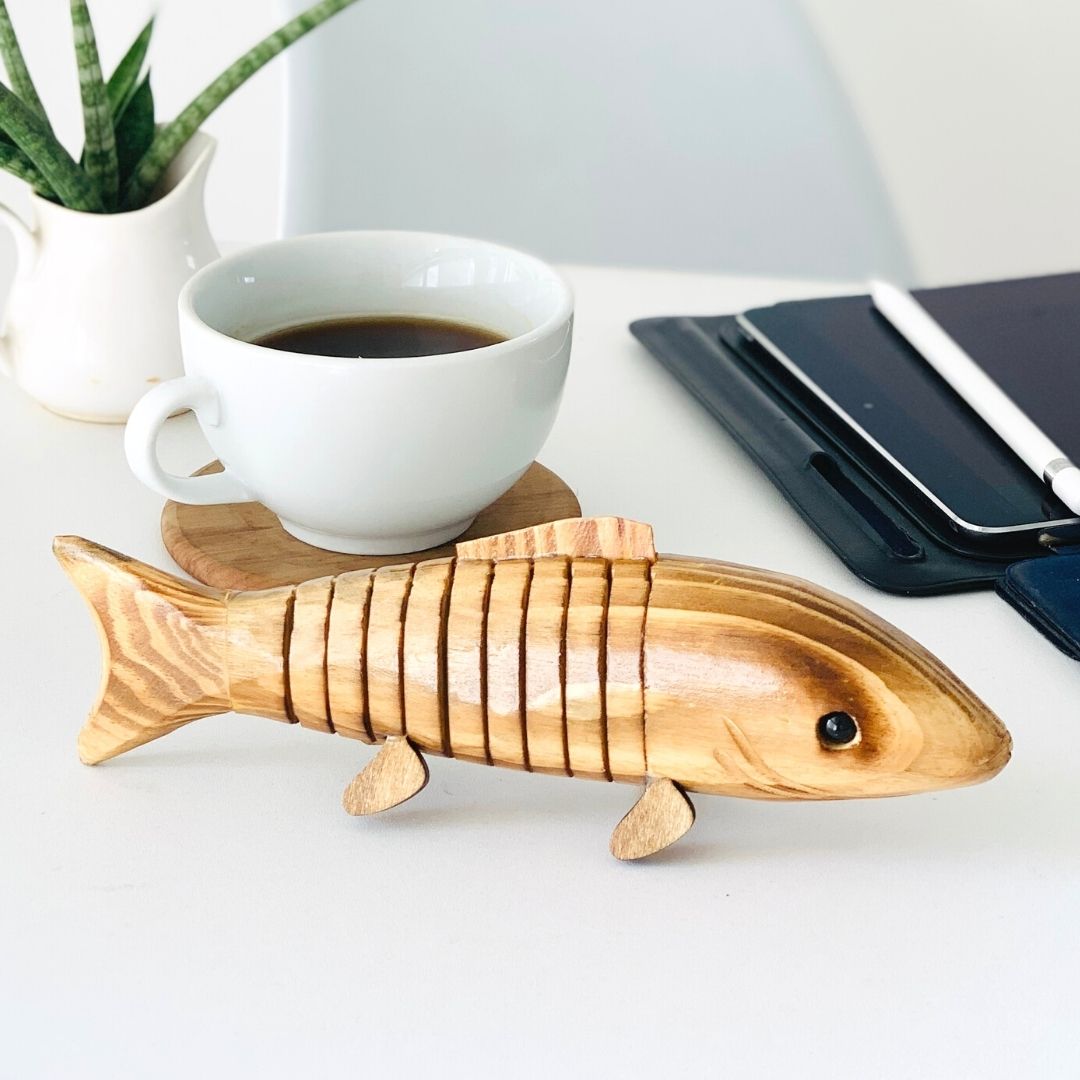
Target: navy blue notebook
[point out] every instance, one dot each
(1047, 593)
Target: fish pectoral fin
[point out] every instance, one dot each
(661, 816)
(393, 776)
(573, 538)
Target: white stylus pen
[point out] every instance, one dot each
(931, 341)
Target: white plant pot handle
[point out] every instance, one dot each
(26, 244)
(141, 435)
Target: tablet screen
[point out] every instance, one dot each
(1025, 334)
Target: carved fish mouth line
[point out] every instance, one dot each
(756, 773)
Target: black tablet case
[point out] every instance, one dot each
(875, 525)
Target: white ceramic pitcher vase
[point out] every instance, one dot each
(91, 324)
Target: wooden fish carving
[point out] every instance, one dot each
(570, 648)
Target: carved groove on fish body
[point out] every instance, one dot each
(593, 665)
(418, 694)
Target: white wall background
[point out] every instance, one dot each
(969, 107)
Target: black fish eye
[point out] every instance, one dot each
(837, 729)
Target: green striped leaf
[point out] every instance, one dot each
(99, 152)
(124, 81)
(135, 128)
(15, 65)
(14, 161)
(172, 137)
(30, 134)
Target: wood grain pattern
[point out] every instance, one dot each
(163, 641)
(575, 538)
(624, 702)
(243, 546)
(346, 656)
(307, 654)
(466, 661)
(586, 617)
(392, 777)
(259, 628)
(545, 666)
(426, 715)
(385, 647)
(505, 633)
(661, 816)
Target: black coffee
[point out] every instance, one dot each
(375, 336)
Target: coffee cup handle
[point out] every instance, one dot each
(141, 435)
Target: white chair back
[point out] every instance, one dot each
(691, 135)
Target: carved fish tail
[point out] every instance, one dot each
(163, 648)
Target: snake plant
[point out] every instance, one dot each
(125, 151)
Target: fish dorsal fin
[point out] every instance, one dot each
(573, 538)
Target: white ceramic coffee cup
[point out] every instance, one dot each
(366, 456)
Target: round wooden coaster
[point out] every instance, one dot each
(242, 545)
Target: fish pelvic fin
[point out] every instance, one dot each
(163, 645)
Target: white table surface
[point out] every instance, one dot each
(203, 907)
